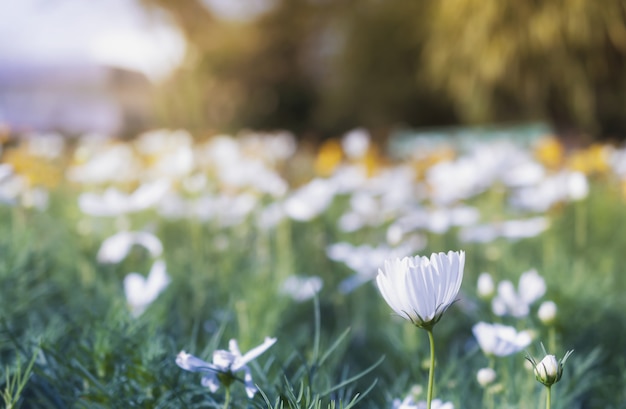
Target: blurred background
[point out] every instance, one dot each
(314, 67)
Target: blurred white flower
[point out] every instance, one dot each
(272, 147)
(364, 211)
(302, 288)
(485, 286)
(485, 376)
(102, 163)
(115, 248)
(524, 174)
(141, 291)
(356, 143)
(510, 229)
(438, 220)
(420, 289)
(617, 161)
(365, 260)
(547, 312)
(115, 203)
(561, 187)
(500, 340)
(46, 145)
(224, 366)
(6, 170)
(508, 301)
(410, 403)
(310, 200)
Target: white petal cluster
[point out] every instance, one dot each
(225, 364)
(410, 403)
(516, 303)
(115, 248)
(500, 340)
(140, 291)
(485, 376)
(420, 289)
(547, 312)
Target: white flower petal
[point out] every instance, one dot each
(420, 289)
(253, 353)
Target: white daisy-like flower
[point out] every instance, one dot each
(114, 203)
(500, 340)
(547, 312)
(508, 301)
(224, 366)
(410, 403)
(485, 376)
(115, 248)
(420, 289)
(141, 291)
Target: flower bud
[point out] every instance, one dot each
(485, 376)
(548, 371)
(486, 287)
(547, 312)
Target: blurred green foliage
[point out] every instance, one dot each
(327, 66)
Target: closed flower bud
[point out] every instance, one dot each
(547, 312)
(548, 371)
(486, 287)
(485, 376)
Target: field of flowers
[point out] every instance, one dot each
(125, 264)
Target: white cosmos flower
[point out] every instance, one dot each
(115, 248)
(302, 288)
(409, 403)
(114, 203)
(485, 286)
(547, 312)
(510, 229)
(420, 289)
(485, 376)
(310, 200)
(561, 187)
(500, 340)
(356, 143)
(141, 291)
(365, 259)
(225, 365)
(101, 163)
(508, 301)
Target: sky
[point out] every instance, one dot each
(111, 32)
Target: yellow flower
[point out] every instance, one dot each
(550, 152)
(37, 171)
(592, 160)
(328, 157)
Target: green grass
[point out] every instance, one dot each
(66, 314)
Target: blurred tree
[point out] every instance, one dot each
(377, 80)
(327, 66)
(558, 60)
(309, 66)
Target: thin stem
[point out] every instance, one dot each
(431, 371)
(227, 398)
(548, 397)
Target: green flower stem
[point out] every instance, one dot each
(227, 398)
(431, 370)
(548, 396)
